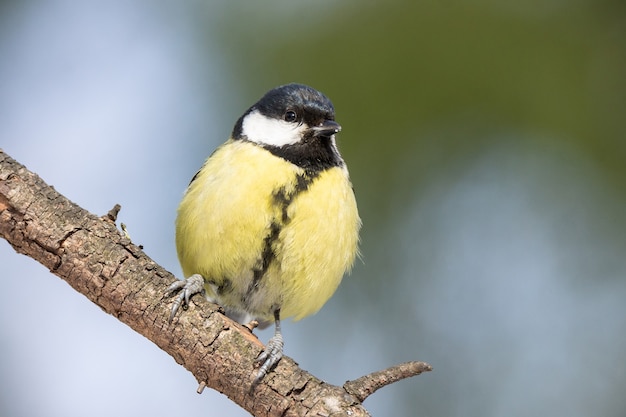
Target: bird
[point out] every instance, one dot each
(269, 225)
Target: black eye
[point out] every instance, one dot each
(291, 116)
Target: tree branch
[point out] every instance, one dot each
(366, 385)
(101, 262)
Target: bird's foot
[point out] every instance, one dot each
(269, 357)
(187, 287)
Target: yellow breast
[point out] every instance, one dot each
(265, 234)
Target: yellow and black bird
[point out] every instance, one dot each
(269, 225)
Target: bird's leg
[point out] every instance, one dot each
(273, 351)
(187, 287)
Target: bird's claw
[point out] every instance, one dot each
(270, 356)
(187, 287)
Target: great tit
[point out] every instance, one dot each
(269, 225)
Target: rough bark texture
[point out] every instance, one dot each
(100, 262)
(363, 387)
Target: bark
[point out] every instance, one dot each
(101, 262)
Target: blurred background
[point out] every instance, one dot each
(486, 141)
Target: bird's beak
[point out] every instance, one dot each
(326, 129)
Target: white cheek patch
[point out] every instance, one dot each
(267, 131)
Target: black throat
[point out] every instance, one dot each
(312, 154)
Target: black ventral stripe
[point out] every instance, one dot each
(281, 199)
(267, 257)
